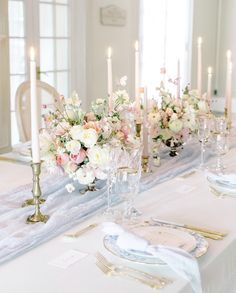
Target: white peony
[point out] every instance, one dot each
(76, 131)
(73, 146)
(175, 125)
(88, 137)
(46, 143)
(98, 156)
(85, 175)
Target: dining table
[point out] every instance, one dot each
(183, 198)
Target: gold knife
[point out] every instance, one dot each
(82, 231)
(191, 227)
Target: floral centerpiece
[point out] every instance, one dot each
(77, 142)
(72, 143)
(172, 122)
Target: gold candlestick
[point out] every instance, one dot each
(37, 216)
(145, 164)
(138, 128)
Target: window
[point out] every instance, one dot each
(165, 38)
(44, 24)
(17, 44)
(54, 41)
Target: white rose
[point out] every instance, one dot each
(98, 156)
(175, 125)
(85, 175)
(88, 137)
(189, 121)
(173, 117)
(73, 146)
(154, 117)
(76, 131)
(202, 106)
(100, 101)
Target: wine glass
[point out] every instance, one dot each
(127, 180)
(220, 141)
(204, 130)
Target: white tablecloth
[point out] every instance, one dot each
(182, 200)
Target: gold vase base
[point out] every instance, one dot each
(31, 202)
(35, 218)
(92, 187)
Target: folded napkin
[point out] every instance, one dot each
(227, 179)
(183, 263)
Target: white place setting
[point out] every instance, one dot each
(117, 147)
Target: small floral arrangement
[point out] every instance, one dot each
(173, 121)
(199, 104)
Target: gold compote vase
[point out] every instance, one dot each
(173, 144)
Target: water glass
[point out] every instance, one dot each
(127, 180)
(204, 130)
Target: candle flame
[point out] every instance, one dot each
(199, 41)
(32, 53)
(209, 70)
(109, 52)
(228, 54)
(136, 46)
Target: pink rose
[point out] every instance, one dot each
(90, 116)
(62, 128)
(62, 159)
(78, 159)
(92, 124)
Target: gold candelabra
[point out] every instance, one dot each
(37, 216)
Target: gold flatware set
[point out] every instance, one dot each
(112, 269)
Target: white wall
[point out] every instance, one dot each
(205, 16)
(121, 39)
(227, 41)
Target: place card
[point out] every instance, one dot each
(68, 258)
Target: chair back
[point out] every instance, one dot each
(47, 99)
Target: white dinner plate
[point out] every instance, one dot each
(169, 236)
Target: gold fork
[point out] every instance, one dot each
(117, 272)
(161, 281)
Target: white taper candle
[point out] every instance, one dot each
(178, 80)
(137, 84)
(199, 66)
(109, 78)
(145, 124)
(227, 83)
(34, 110)
(209, 82)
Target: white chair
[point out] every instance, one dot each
(47, 95)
